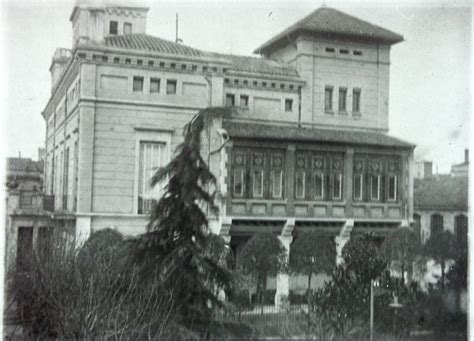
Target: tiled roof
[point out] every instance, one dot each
(327, 20)
(144, 42)
(274, 132)
(441, 192)
(15, 164)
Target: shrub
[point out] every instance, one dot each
(91, 292)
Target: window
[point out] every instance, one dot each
(246, 82)
(288, 104)
(173, 65)
(105, 59)
(375, 187)
(238, 182)
(358, 186)
(392, 188)
(128, 61)
(229, 100)
(330, 49)
(273, 85)
(152, 156)
(328, 98)
(194, 67)
(356, 100)
(460, 229)
(344, 51)
(282, 86)
(65, 178)
(137, 83)
(116, 60)
(204, 69)
(357, 53)
(236, 81)
(337, 186)
(277, 176)
(162, 64)
(258, 174)
(171, 87)
(318, 185)
(154, 85)
(437, 224)
(127, 28)
(151, 63)
(183, 66)
(264, 84)
(244, 101)
(300, 177)
(113, 27)
(342, 99)
(139, 62)
(255, 83)
(24, 247)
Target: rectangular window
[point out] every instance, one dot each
(127, 28)
(152, 156)
(183, 66)
(342, 99)
(318, 186)
(337, 187)
(258, 183)
(24, 247)
(105, 59)
(137, 83)
(375, 187)
(139, 62)
(358, 186)
(173, 65)
(288, 104)
(171, 87)
(151, 63)
(328, 98)
(392, 188)
(154, 85)
(239, 182)
(116, 60)
(277, 183)
(356, 100)
(113, 27)
(229, 100)
(128, 61)
(300, 184)
(244, 101)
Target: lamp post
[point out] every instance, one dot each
(395, 305)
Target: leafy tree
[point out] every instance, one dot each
(441, 247)
(342, 304)
(312, 253)
(177, 240)
(400, 249)
(263, 255)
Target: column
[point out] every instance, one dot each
(348, 177)
(283, 280)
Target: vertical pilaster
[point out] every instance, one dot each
(290, 176)
(348, 178)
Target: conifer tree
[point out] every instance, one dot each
(176, 241)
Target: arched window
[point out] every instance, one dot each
(436, 223)
(460, 228)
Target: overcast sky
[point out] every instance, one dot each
(430, 94)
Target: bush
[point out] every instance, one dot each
(91, 292)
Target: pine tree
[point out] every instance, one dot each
(176, 242)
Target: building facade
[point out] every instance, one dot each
(307, 146)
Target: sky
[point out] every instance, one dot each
(430, 74)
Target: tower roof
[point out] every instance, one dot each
(330, 21)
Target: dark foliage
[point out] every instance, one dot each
(177, 238)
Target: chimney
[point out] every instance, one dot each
(428, 169)
(58, 64)
(466, 155)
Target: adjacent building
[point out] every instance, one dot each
(308, 146)
(423, 169)
(461, 169)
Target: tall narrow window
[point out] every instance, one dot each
(318, 185)
(258, 174)
(356, 101)
(171, 87)
(288, 105)
(300, 177)
(342, 99)
(239, 174)
(392, 188)
(75, 175)
(375, 187)
(137, 83)
(113, 27)
(460, 229)
(65, 178)
(154, 85)
(152, 156)
(127, 28)
(358, 186)
(437, 224)
(24, 247)
(229, 100)
(337, 186)
(328, 98)
(277, 176)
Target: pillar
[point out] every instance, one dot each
(283, 280)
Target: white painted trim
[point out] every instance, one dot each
(151, 136)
